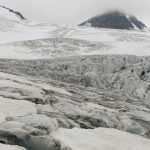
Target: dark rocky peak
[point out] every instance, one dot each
(115, 20)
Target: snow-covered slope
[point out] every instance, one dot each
(22, 39)
(13, 28)
(73, 41)
(9, 20)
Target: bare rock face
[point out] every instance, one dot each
(14, 12)
(115, 20)
(85, 92)
(11, 20)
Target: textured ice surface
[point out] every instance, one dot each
(86, 92)
(38, 97)
(100, 139)
(10, 147)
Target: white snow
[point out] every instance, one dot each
(135, 27)
(11, 108)
(12, 102)
(121, 42)
(10, 147)
(13, 29)
(14, 81)
(100, 139)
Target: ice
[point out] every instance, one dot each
(9, 108)
(10, 147)
(100, 139)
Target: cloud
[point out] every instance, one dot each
(76, 11)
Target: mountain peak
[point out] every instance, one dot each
(115, 20)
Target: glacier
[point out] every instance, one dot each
(73, 88)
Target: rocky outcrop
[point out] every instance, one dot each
(15, 12)
(115, 20)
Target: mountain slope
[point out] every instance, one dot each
(9, 19)
(14, 27)
(115, 20)
(22, 39)
(18, 14)
(58, 41)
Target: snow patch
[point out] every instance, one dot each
(11, 108)
(100, 139)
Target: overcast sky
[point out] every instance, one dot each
(72, 12)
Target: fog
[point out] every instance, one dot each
(72, 12)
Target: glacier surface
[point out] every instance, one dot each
(64, 88)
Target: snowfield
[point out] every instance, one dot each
(74, 41)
